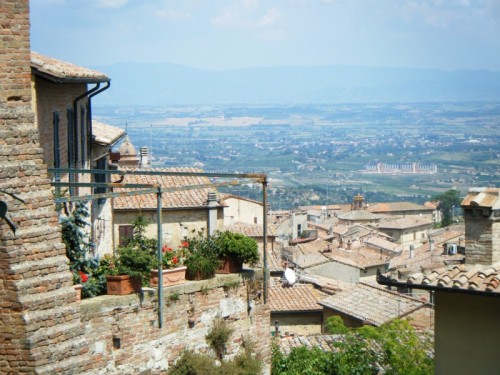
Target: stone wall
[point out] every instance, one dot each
(123, 332)
(38, 308)
(482, 238)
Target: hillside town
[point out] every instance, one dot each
(367, 263)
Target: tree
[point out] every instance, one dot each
(447, 202)
(393, 348)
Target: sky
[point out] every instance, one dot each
(231, 34)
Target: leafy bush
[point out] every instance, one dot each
(237, 245)
(393, 348)
(202, 260)
(86, 269)
(137, 258)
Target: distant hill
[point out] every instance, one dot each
(170, 84)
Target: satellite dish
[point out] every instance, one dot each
(290, 276)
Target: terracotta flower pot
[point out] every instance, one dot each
(78, 290)
(123, 284)
(229, 265)
(172, 276)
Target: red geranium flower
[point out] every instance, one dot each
(83, 277)
(164, 248)
(185, 244)
(175, 260)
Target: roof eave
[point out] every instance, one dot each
(57, 79)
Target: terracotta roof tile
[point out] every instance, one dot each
(105, 134)
(405, 222)
(396, 206)
(298, 297)
(63, 71)
(482, 197)
(251, 230)
(190, 198)
(371, 304)
(477, 278)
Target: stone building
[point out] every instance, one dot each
(193, 207)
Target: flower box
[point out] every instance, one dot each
(171, 276)
(123, 284)
(229, 265)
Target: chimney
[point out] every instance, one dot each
(412, 252)
(212, 212)
(482, 226)
(144, 155)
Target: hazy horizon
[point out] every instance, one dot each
(236, 34)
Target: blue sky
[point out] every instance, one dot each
(227, 34)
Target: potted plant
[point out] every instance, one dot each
(234, 249)
(202, 261)
(130, 268)
(173, 269)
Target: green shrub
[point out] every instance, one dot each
(238, 246)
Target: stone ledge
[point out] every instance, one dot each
(149, 295)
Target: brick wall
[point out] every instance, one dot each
(38, 308)
(145, 348)
(482, 238)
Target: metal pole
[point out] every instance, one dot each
(264, 223)
(160, 256)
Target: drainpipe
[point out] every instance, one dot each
(264, 230)
(75, 119)
(89, 118)
(160, 255)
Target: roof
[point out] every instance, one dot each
(483, 197)
(396, 206)
(309, 254)
(106, 135)
(423, 257)
(405, 223)
(361, 257)
(372, 305)
(358, 215)
(237, 197)
(324, 342)
(296, 298)
(381, 243)
(477, 279)
(251, 230)
(60, 71)
(188, 198)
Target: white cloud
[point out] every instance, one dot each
(271, 17)
(110, 3)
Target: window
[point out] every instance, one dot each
(255, 220)
(125, 234)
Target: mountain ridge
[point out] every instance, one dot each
(174, 84)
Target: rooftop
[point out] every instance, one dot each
(251, 230)
(397, 206)
(296, 298)
(106, 135)
(477, 279)
(188, 198)
(60, 71)
(405, 223)
(483, 197)
(372, 305)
